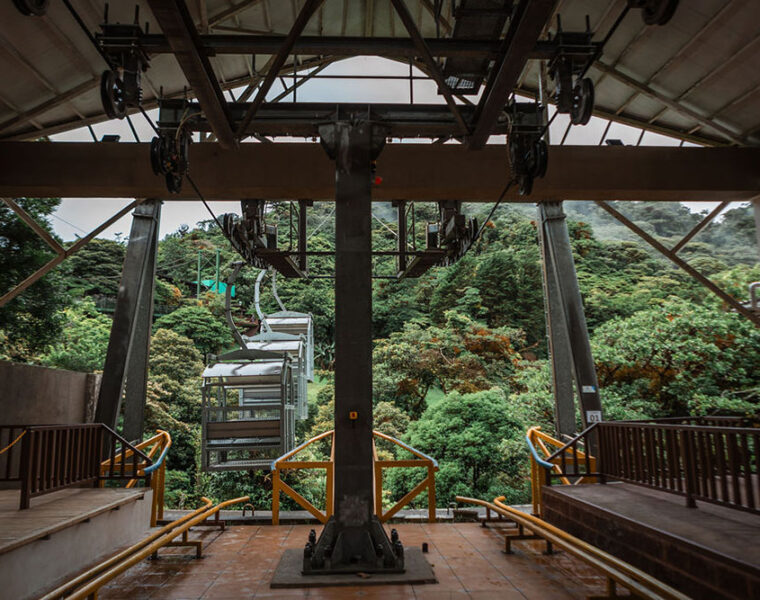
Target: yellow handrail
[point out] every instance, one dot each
(159, 444)
(536, 437)
(640, 583)
(94, 571)
(143, 550)
(13, 443)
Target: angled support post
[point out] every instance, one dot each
(128, 346)
(561, 268)
(560, 351)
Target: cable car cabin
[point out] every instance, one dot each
(295, 347)
(248, 412)
(295, 323)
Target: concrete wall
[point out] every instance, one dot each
(41, 565)
(32, 395)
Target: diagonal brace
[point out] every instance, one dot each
(309, 8)
(435, 72)
(727, 298)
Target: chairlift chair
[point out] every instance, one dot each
(248, 410)
(295, 347)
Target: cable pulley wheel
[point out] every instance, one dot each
(525, 185)
(583, 102)
(32, 8)
(111, 96)
(156, 156)
(540, 158)
(658, 12)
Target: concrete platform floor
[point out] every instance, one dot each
(467, 559)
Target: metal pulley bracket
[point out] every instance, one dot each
(121, 85)
(528, 152)
(573, 53)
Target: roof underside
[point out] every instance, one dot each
(697, 78)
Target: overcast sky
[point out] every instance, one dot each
(77, 216)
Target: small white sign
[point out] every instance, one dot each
(588, 389)
(593, 416)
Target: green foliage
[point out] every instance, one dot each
(676, 356)
(207, 331)
(83, 341)
(463, 355)
(464, 432)
(33, 319)
(174, 396)
(96, 268)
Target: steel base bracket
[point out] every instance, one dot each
(342, 550)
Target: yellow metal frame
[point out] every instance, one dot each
(548, 445)
(154, 446)
(285, 462)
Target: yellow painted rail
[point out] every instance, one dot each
(640, 584)
(87, 584)
(542, 443)
(158, 445)
(287, 462)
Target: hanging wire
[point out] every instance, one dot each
(87, 32)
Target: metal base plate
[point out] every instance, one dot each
(288, 573)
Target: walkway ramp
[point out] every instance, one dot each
(63, 532)
(707, 552)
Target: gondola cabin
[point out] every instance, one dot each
(248, 410)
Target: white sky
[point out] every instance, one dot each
(77, 216)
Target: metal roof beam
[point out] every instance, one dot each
(424, 172)
(528, 21)
(286, 47)
(175, 21)
(434, 70)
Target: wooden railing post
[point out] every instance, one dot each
(329, 491)
(688, 467)
(25, 469)
(431, 494)
(378, 490)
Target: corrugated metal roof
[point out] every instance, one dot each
(698, 77)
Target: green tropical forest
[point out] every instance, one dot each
(460, 354)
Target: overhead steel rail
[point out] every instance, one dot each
(302, 119)
(235, 44)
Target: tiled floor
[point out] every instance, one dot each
(467, 559)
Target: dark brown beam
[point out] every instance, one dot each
(176, 23)
(308, 9)
(425, 172)
(528, 21)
